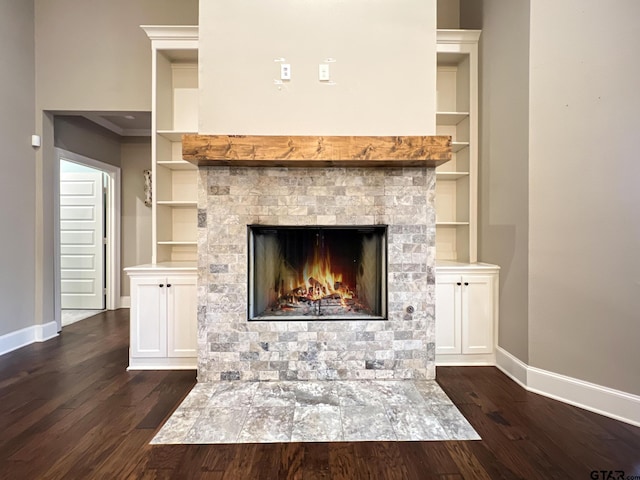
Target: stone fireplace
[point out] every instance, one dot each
(397, 343)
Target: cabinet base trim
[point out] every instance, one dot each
(187, 363)
(461, 360)
(595, 398)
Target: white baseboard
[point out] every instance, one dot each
(589, 396)
(125, 302)
(20, 338)
(511, 366)
(163, 363)
(465, 360)
(46, 331)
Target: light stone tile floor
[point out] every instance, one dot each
(324, 411)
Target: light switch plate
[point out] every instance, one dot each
(323, 72)
(285, 71)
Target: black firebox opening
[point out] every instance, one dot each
(317, 273)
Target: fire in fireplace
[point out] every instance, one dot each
(323, 273)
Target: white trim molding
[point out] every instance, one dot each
(465, 360)
(174, 363)
(605, 401)
(171, 32)
(21, 338)
(455, 36)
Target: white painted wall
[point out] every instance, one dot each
(17, 163)
(136, 216)
(584, 286)
(384, 73)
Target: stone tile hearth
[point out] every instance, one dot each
(267, 412)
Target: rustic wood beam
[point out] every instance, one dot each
(319, 151)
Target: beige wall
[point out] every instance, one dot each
(79, 135)
(17, 162)
(136, 216)
(448, 13)
(93, 55)
(584, 314)
(90, 56)
(384, 73)
(569, 298)
(503, 203)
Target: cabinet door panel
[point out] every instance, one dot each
(448, 314)
(478, 314)
(182, 317)
(148, 317)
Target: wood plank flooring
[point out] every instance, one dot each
(69, 409)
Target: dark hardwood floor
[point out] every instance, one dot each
(69, 409)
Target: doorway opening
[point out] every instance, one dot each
(87, 237)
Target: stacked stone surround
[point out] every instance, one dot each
(232, 348)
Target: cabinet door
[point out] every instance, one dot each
(182, 317)
(148, 317)
(448, 314)
(477, 314)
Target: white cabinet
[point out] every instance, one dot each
(148, 317)
(457, 116)
(163, 317)
(175, 112)
(448, 314)
(182, 310)
(466, 314)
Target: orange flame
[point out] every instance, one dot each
(319, 280)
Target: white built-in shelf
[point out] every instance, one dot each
(457, 116)
(178, 203)
(451, 175)
(173, 135)
(450, 118)
(174, 113)
(177, 164)
(457, 146)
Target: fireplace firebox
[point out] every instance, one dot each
(317, 273)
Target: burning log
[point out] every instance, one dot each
(317, 301)
(316, 289)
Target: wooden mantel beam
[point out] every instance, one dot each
(310, 151)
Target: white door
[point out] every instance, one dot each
(82, 240)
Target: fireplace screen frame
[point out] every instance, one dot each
(381, 230)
